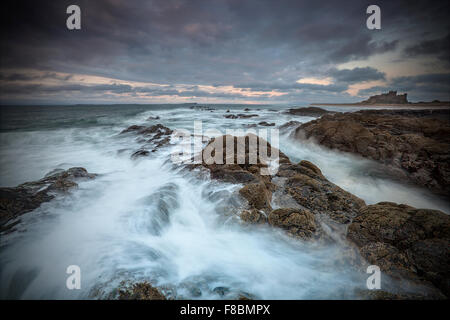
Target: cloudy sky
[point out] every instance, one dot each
(222, 51)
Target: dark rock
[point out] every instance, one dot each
(141, 291)
(405, 242)
(300, 223)
(240, 116)
(153, 118)
(266, 124)
(221, 291)
(30, 195)
(290, 124)
(412, 145)
(154, 137)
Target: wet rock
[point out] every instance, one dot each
(266, 124)
(141, 291)
(300, 223)
(240, 116)
(306, 185)
(257, 195)
(308, 112)
(30, 195)
(405, 242)
(154, 137)
(140, 153)
(221, 291)
(385, 295)
(290, 124)
(412, 145)
(153, 118)
(253, 216)
(301, 184)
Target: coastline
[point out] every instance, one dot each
(405, 105)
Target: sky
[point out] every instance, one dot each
(222, 51)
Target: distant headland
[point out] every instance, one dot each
(389, 99)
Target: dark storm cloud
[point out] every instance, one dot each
(293, 86)
(439, 47)
(231, 42)
(357, 75)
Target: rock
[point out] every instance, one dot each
(30, 195)
(141, 291)
(290, 124)
(300, 223)
(385, 295)
(253, 216)
(308, 112)
(221, 291)
(411, 145)
(257, 195)
(140, 153)
(154, 137)
(266, 124)
(153, 118)
(240, 116)
(246, 109)
(405, 242)
(302, 185)
(306, 185)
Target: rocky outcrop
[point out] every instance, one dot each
(413, 145)
(153, 137)
(140, 291)
(240, 116)
(305, 184)
(30, 195)
(297, 222)
(308, 112)
(304, 198)
(405, 242)
(387, 98)
(266, 124)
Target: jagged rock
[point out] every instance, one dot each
(257, 195)
(266, 124)
(240, 116)
(154, 137)
(140, 153)
(253, 216)
(405, 242)
(141, 291)
(412, 145)
(30, 195)
(290, 124)
(308, 112)
(306, 185)
(300, 223)
(302, 184)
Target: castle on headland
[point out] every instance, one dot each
(391, 98)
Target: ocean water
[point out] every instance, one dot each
(148, 219)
